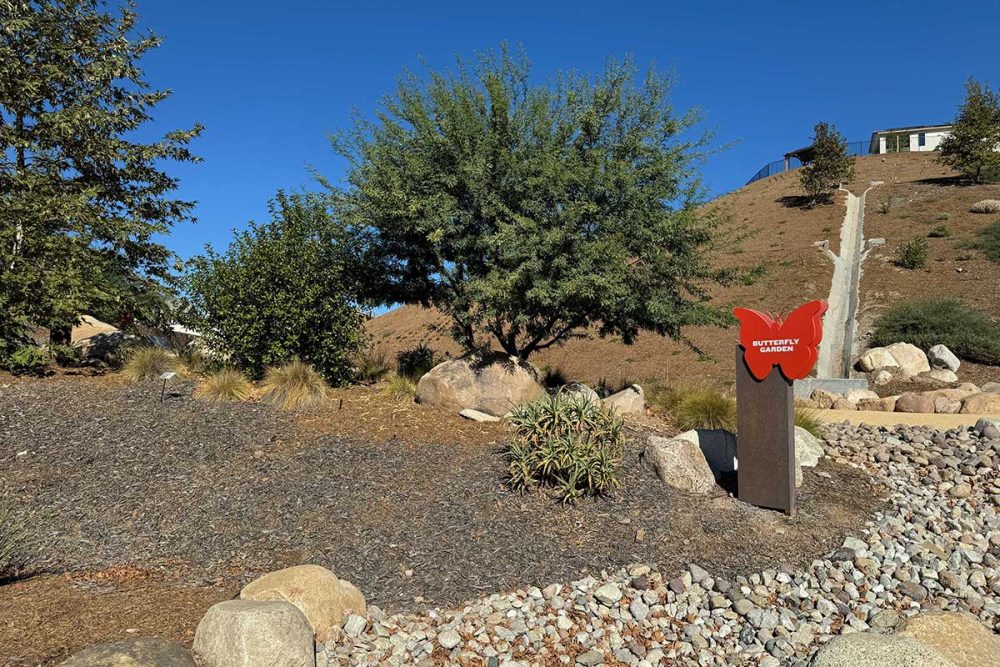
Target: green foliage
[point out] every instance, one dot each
(371, 363)
(913, 254)
(27, 360)
(12, 541)
(83, 202)
(416, 361)
(568, 443)
(968, 333)
(703, 407)
(970, 146)
(528, 213)
(940, 217)
(830, 165)
(283, 290)
(227, 385)
(939, 232)
(400, 386)
(294, 386)
(807, 419)
(989, 241)
(147, 362)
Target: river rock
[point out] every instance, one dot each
(869, 649)
(135, 652)
(988, 428)
(958, 636)
(940, 356)
(982, 404)
(627, 401)
(492, 385)
(915, 402)
(247, 633)
(679, 463)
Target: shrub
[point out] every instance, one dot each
(65, 355)
(147, 362)
(12, 538)
(941, 217)
(372, 364)
(606, 387)
(939, 232)
(807, 419)
(928, 322)
(566, 443)
(913, 254)
(197, 360)
(989, 241)
(704, 407)
(416, 361)
(986, 206)
(400, 386)
(294, 386)
(28, 360)
(830, 165)
(226, 385)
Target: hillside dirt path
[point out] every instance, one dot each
(938, 421)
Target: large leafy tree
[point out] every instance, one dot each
(830, 165)
(288, 289)
(529, 213)
(81, 200)
(972, 146)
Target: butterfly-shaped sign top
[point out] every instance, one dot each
(790, 343)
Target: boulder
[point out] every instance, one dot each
(491, 385)
(910, 358)
(105, 347)
(823, 399)
(915, 402)
(870, 649)
(581, 391)
(627, 401)
(877, 357)
(991, 388)
(679, 463)
(316, 591)
(248, 633)
(958, 636)
(808, 448)
(988, 428)
(884, 404)
(718, 446)
(982, 404)
(843, 404)
(940, 356)
(942, 375)
(135, 652)
(855, 395)
(947, 406)
(881, 377)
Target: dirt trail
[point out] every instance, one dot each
(938, 421)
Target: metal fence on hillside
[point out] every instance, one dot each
(778, 166)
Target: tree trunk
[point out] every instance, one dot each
(21, 164)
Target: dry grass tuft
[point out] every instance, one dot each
(224, 386)
(806, 418)
(294, 386)
(148, 362)
(400, 386)
(986, 206)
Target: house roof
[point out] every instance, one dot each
(912, 127)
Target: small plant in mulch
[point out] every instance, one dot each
(294, 386)
(568, 444)
(939, 232)
(28, 360)
(415, 362)
(372, 364)
(228, 384)
(400, 386)
(989, 242)
(913, 254)
(806, 418)
(148, 362)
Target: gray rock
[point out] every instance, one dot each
(247, 633)
(592, 657)
(608, 594)
(477, 416)
(988, 428)
(679, 463)
(627, 401)
(940, 356)
(449, 639)
(136, 652)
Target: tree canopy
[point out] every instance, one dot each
(830, 165)
(529, 213)
(971, 146)
(81, 201)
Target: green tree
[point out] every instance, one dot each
(81, 201)
(971, 146)
(529, 213)
(830, 166)
(283, 290)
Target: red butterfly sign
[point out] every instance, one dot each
(791, 343)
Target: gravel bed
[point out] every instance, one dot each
(934, 547)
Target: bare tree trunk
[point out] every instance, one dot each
(21, 165)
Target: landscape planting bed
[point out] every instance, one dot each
(215, 494)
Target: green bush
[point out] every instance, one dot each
(282, 291)
(989, 241)
(913, 254)
(939, 232)
(968, 333)
(28, 360)
(703, 407)
(416, 361)
(566, 443)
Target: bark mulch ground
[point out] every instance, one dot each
(206, 494)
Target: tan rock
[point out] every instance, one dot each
(823, 399)
(855, 395)
(247, 633)
(877, 357)
(627, 401)
(991, 388)
(886, 404)
(947, 406)
(958, 636)
(873, 649)
(493, 385)
(915, 402)
(679, 463)
(135, 652)
(942, 375)
(881, 377)
(985, 403)
(909, 357)
(316, 591)
(843, 404)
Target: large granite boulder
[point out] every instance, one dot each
(679, 463)
(808, 448)
(493, 385)
(870, 649)
(985, 403)
(947, 406)
(910, 358)
(915, 402)
(627, 401)
(718, 446)
(248, 633)
(958, 636)
(940, 356)
(316, 591)
(135, 652)
(877, 357)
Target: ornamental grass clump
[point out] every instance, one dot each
(400, 386)
(148, 362)
(568, 444)
(703, 407)
(294, 386)
(227, 385)
(807, 419)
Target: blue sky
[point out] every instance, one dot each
(270, 79)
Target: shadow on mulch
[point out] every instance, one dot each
(211, 494)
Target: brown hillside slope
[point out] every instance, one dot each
(920, 192)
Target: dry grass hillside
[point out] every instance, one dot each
(920, 193)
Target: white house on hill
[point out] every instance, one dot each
(908, 139)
